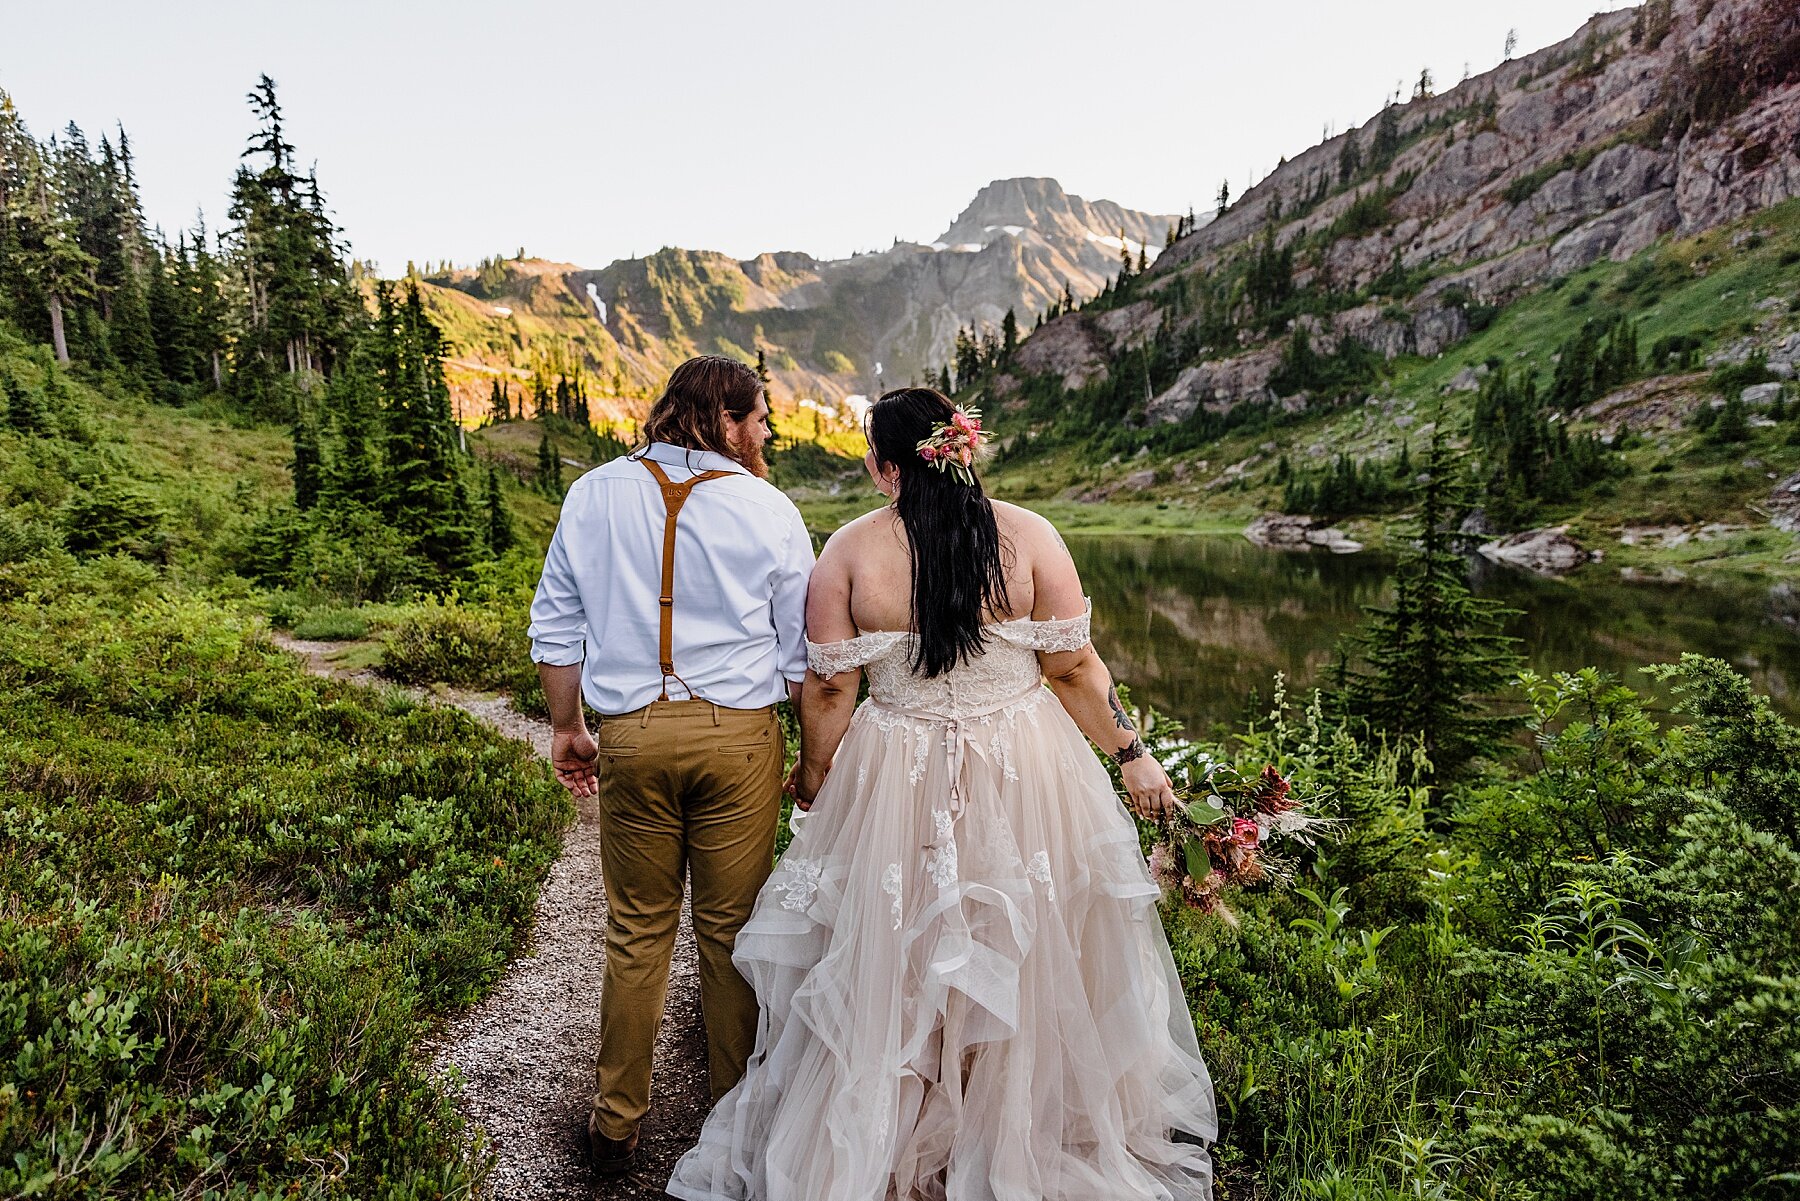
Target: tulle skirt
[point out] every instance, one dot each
(966, 992)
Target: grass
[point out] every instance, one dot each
(233, 898)
(1702, 286)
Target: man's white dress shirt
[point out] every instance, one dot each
(742, 557)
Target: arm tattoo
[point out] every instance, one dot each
(1120, 718)
(1134, 749)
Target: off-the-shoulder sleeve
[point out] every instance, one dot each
(1062, 634)
(827, 659)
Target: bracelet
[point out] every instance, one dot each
(1134, 749)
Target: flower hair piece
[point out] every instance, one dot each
(954, 446)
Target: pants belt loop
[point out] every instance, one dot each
(644, 722)
(715, 710)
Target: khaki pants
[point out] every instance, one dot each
(685, 786)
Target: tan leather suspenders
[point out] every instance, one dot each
(674, 496)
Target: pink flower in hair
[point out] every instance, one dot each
(953, 445)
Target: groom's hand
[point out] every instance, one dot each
(802, 786)
(574, 754)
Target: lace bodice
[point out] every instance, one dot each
(1005, 670)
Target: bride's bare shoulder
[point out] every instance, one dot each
(857, 535)
(1021, 524)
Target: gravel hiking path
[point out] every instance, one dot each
(525, 1054)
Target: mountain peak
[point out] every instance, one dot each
(1038, 203)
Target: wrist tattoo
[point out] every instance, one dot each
(1135, 749)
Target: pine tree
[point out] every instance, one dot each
(1422, 666)
(25, 411)
(306, 464)
(501, 536)
(1224, 198)
(1009, 334)
(549, 468)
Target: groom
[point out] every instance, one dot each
(673, 600)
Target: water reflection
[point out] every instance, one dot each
(1198, 625)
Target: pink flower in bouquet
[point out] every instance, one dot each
(962, 422)
(1244, 833)
(928, 453)
(1162, 866)
(966, 457)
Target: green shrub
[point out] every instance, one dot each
(446, 641)
(332, 625)
(1730, 379)
(232, 900)
(348, 552)
(110, 518)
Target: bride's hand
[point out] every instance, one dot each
(1148, 786)
(801, 787)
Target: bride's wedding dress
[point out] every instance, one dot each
(966, 993)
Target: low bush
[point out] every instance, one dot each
(444, 640)
(232, 899)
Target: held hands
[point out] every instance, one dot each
(1148, 786)
(803, 785)
(575, 756)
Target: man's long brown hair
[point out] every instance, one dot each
(700, 394)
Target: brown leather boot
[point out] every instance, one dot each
(611, 1156)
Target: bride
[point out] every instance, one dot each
(966, 994)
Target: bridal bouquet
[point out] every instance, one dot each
(1231, 831)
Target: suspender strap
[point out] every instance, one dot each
(674, 496)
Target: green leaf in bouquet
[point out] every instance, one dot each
(1199, 866)
(1203, 814)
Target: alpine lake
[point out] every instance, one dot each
(1199, 626)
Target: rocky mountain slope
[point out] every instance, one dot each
(823, 325)
(1584, 265)
(1672, 118)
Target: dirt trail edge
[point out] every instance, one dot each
(525, 1055)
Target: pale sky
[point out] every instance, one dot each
(587, 132)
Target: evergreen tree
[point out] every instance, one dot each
(352, 399)
(59, 272)
(1422, 666)
(1224, 197)
(1009, 334)
(549, 468)
(1349, 158)
(422, 489)
(25, 411)
(1731, 425)
(306, 465)
(1386, 143)
(501, 536)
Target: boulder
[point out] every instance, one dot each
(1761, 394)
(1784, 503)
(1216, 384)
(1476, 525)
(1291, 531)
(1548, 551)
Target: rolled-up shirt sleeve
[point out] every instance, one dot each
(558, 630)
(790, 600)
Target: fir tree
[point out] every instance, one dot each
(1224, 197)
(549, 468)
(25, 411)
(1422, 666)
(305, 464)
(501, 536)
(1009, 334)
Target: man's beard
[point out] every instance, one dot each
(749, 455)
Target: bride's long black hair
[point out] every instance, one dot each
(958, 568)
